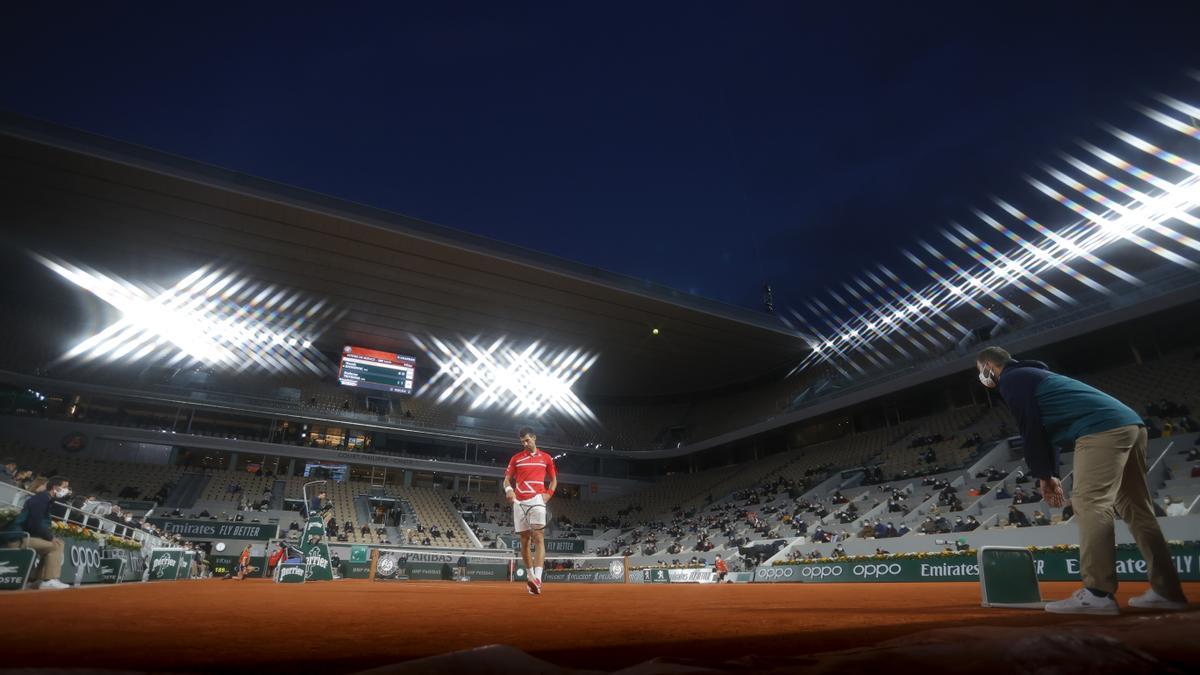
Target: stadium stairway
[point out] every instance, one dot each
(277, 497)
(362, 512)
(186, 491)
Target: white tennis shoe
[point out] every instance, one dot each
(1084, 602)
(533, 586)
(52, 585)
(1152, 600)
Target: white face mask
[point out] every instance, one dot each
(988, 378)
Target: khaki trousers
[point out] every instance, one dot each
(50, 557)
(1110, 471)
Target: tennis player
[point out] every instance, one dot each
(525, 488)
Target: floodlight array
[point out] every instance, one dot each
(520, 380)
(212, 317)
(1147, 204)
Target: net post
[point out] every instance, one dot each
(373, 564)
(625, 559)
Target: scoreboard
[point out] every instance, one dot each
(373, 369)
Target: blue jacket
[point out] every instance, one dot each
(35, 516)
(1053, 411)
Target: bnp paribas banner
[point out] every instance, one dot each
(1050, 564)
(206, 530)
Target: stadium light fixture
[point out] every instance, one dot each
(212, 317)
(528, 380)
(1149, 214)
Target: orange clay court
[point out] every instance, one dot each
(352, 625)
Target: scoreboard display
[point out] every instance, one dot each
(373, 369)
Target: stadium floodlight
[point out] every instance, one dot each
(528, 380)
(212, 317)
(1149, 214)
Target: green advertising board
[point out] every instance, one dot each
(434, 567)
(316, 551)
(656, 575)
(612, 573)
(290, 573)
(112, 570)
(1050, 565)
(355, 570)
(360, 554)
(15, 566)
(226, 564)
(212, 530)
(165, 563)
(81, 560)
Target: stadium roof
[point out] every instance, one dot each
(150, 215)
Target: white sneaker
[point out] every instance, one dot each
(1152, 600)
(52, 584)
(1083, 602)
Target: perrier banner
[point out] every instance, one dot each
(165, 564)
(316, 551)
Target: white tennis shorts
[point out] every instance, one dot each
(529, 514)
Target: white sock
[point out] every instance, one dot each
(537, 573)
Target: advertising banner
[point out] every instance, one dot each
(613, 573)
(164, 564)
(666, 575)
(290, 573)
(1051, 565)
(552, 545)
(212, 530)
(15, 567)
(81, 558)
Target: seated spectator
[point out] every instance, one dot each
(971, 523)
(1017, 517)
(34, 520)
(1040, 519)
(1175, 508)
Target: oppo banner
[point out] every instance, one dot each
(80, 555)
(1050, 565)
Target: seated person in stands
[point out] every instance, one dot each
(425, 542)
(1021, 479)
(1017, 517)
(1019, 496)
(1175, 508)
(943, 525)
(366, 530)
(1002, 492)
(984, 489)
(881, 530)
(867, 532)
(1193, 454)
(1040, 519)
(960, 525)
(34, 520)
(891, 531)
(9, 473)
(838, 552)
(972, 523)
(902, 530)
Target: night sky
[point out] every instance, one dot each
(706, 146)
